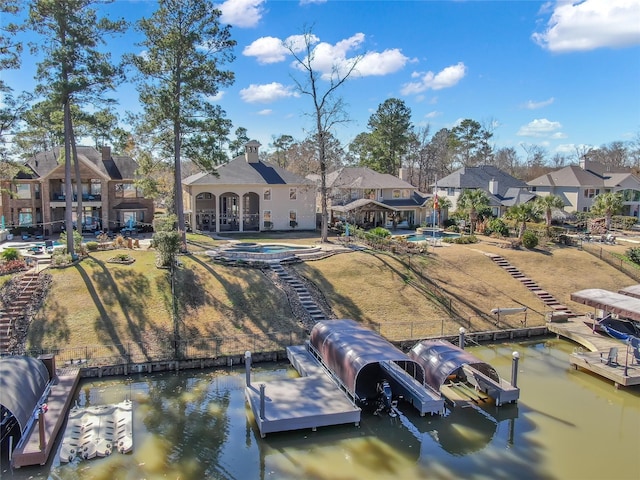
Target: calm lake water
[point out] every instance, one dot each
(195, 425)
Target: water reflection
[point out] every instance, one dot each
(196, 425)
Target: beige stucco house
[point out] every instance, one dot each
(578, 185)
(248, 194)
(368, 198)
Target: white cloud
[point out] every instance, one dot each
(532, 105)
(446, 78)
(381, 63)
(267, 93)
(265, 112)
(217, 97)
(273, 50)
(591, 24)
(267, 50)
(540, 127)
(241, 13)
(433, 114)
(307, 2)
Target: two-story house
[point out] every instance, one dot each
(109, 197)
(502, 189)
(367, 198)
(247, 194)
(578, 185)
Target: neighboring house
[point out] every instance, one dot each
(110, 199)
(502, 189)
(248, 194)
(579, 185)
(367, 198)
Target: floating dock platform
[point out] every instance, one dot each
(310, 401)
(623, 371)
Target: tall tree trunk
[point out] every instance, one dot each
(68, 204)
(74, 151)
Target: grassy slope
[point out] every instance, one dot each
(97, 302)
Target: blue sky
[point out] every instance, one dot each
(556, 74)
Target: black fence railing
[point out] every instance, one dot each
(615, 261)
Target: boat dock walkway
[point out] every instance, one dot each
(623, 371)
(40, 438)
(307, 402)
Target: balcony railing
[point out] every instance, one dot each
(60, 197)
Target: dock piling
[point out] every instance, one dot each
(262, 401)
(514, 369)
(247, 367)
(462, 331)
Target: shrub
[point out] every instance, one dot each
(379, 232)
(12, 266)
(92, 246)
(497, 226)
(61, 259)
(529, 240)
(10, 254)
(462, 240)
(633, 254)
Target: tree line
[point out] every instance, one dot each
(180, 130)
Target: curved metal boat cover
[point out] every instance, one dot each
(440, 359)
(22, 383)
(346, 348)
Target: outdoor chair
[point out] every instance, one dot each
(612, 357)
(635, 347)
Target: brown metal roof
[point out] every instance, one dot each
(624, 305)
(353, 354)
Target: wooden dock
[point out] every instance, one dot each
(39, 439)
(624, 372)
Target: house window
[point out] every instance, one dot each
(370, 194)
(23, 191)
(534, 189)
(293, 193)
(36, 188)
(130, 219)
(451, 191)
(266, 218)
(204, 196)
(127, 190)
(96, 187)
(354, 194)
(293, 219)
(25, 217)
(267, 195)
(591, 192)
(396, 194)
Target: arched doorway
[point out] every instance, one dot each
(229, 212)
(205, 209)
(251, 212)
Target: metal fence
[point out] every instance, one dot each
(201, 348)
(613, 260)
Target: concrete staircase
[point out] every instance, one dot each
(11, 313)
(545, 297)
(304, 296)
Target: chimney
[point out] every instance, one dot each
(251, 151)
(402, 174)
(106, 153)
(493, 186)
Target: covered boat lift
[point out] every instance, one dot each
(359, 359)
(623, 305)
(450, 369)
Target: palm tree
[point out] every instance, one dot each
(607, 204)
(470, 203)
(443, 204)
(523, 213)
(548, 203)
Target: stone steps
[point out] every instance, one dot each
(305, 298)
(544, 296)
